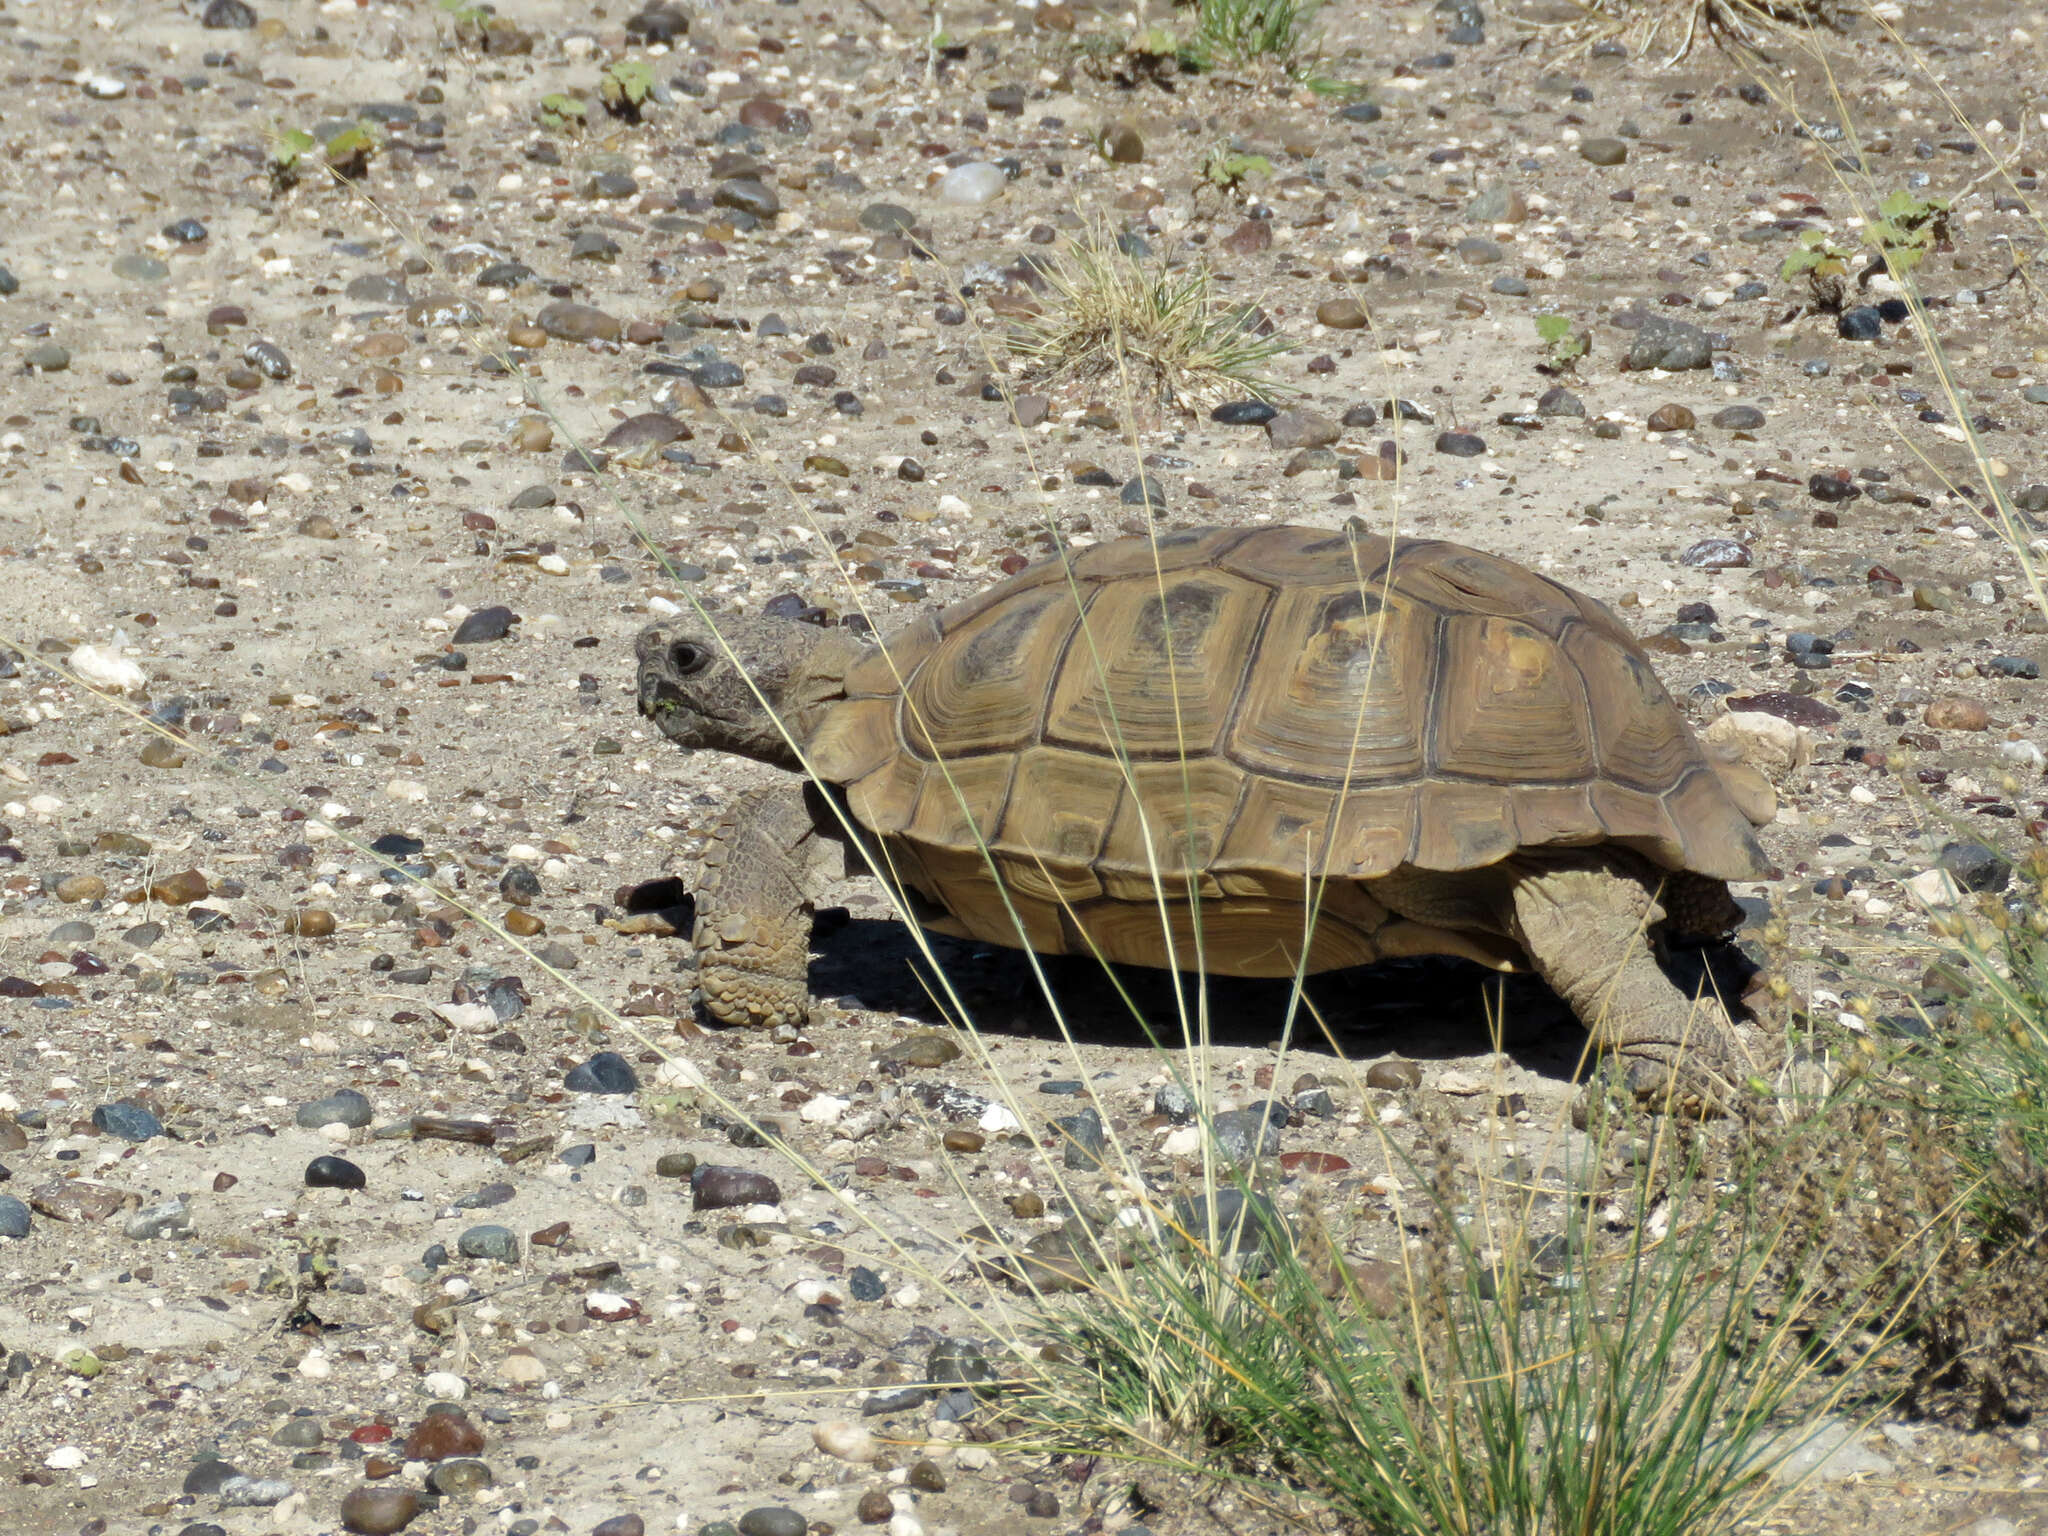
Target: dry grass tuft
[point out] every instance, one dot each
(1668, 30)
(1159, 333)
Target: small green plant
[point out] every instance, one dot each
(1824, 265)
(1238, 33)
(563, 113)
(1900, 237)
(1164, 331)
(1562, 346)
(345, 154)
(1227, 169)
(1907, 228)
(626, 88)
(467, 16)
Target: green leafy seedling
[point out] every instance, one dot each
(563, 112)
(1227, 169)
(1907, 228)
(347, 154)
(1563, 346)
(626, 88)
(1824, 265)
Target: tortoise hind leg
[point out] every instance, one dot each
(754, 903)
(1584, 923)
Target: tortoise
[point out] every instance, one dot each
(1439, 751)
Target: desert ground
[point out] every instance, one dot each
(330, 507)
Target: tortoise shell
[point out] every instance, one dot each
(1254, 717)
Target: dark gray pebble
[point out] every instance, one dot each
(772, 1520)
(1460, 445)
(606, 1072)
(1863, 323)
(14, 1217)
(488, 1241)
(342, 1107)
(130, 1122)
(334, 1173)
(1244, 413)
(492, 623)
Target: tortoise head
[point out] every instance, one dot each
(738, 688)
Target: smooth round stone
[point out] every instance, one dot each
(225, 16)
(1479, 251)
(300, 1432)
(717, 1186)
(343, 1107)
(1862, 323)
(1738, 418)
(772, 1520)
(1143, 491)
(1393, 1074)
(748, 194)
(578, 322)
(1510, 285)
(887, 219)
(489, 1241)
(1345, 314)
(130, 1122)
(253, 1492)
(9, 283)
(49, 358)
(719, 375)
(620, 1525)
(606, 1072)
(1603, 151)
(1360, 112)
(14, 1217)
(1671, 418)
(1461, 445)
(972, 184)
(675, 1165)
(334, 1173)
(70, 933)
(493, 623)
(459, 1478)
(207, 1477)
(378, 1509)
(443, 1435)
(136, 268)
(1244, 413)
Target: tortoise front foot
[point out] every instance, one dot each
(1584, 923)
(753, 933)
(751, 999)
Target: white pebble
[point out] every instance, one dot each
(972, 184)
(444, 1384)
(554, 565)
(66, 1458)
(848, 1442)
(315, 1365)
(522, 1369)
(102, 666)
(974, 1458)
(406, 791)
(823, 1109)
(903, 1523)
(1935, 888)
(2025, 753)
(997, 1118)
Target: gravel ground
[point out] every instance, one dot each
(322, 1202)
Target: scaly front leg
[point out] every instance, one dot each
(754, 904)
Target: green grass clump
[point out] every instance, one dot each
(1166, 333)
(1625, 1358)
(1238, 33)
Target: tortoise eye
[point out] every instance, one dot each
(686, 658)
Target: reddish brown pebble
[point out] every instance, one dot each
(620, 1525)
(312, 923)
(373, 1511)
(522, 923)
(875, 1507)
(1953, 714)
(964, 1141)
(179, 889)
(441, 1435)
(1671, 418)
(223, 1182)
